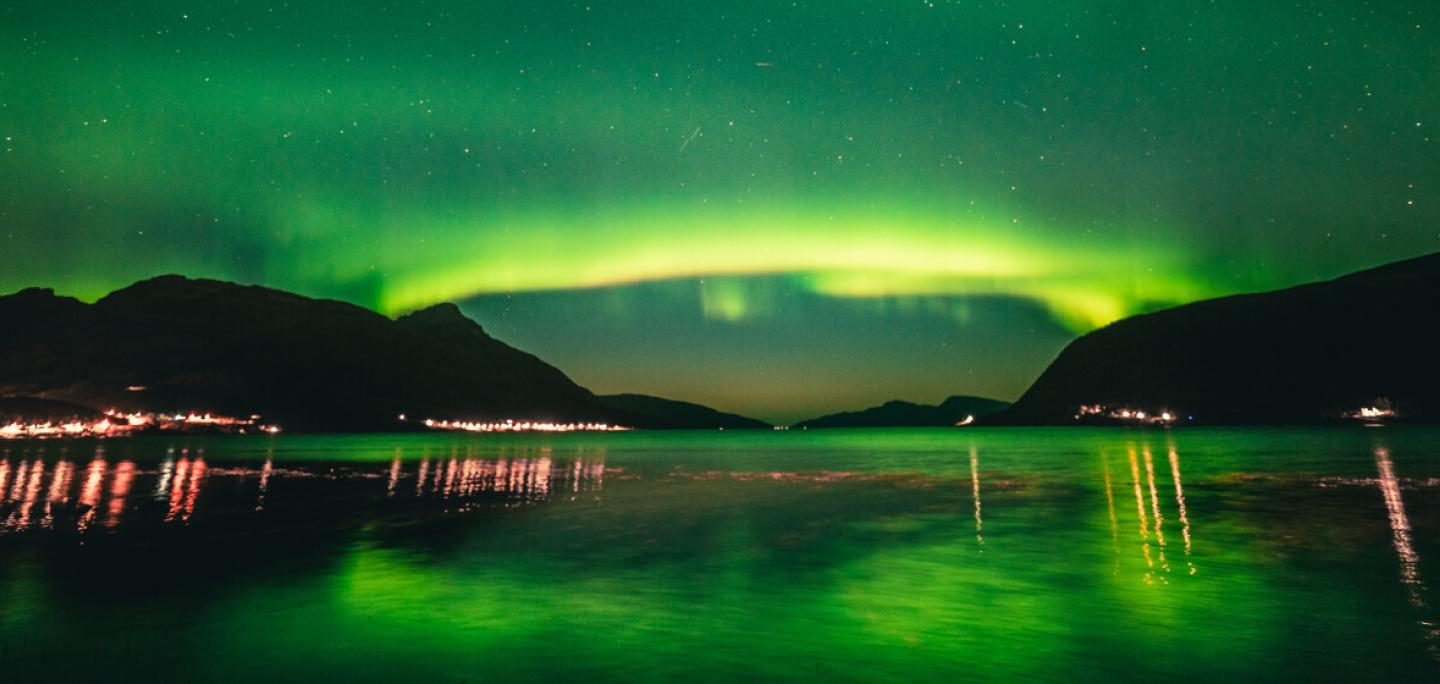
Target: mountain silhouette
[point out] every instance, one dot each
(905, 414)
(1303, 355)
(177, 344)
(678, 413)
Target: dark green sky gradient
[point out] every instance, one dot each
(965, 184)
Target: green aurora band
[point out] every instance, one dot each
(857, 252)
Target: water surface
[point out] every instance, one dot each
(1095, 554)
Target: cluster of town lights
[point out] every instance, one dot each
(1373, 413)
(1124, 414)
(119, 424)
(520, 426)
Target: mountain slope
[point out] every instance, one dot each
(678, 414)
(905, 414)
(1302, 355)
(176, 344)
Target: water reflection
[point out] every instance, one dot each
(79, 495)
(36, 494)
(1415, 588)
(179, 486)
(1155, 508)
(1180, 501)
(265, 472)
(90, 494)
(394, 473)
(1140, 515)
(1110, 504)
(975, 490)
(119, 490)
(1146, 483)
(24, 492)
(59, 484)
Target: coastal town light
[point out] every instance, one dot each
(1124, 414)
(115, 423)
(520, 426)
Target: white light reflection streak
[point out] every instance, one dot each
(265, 472)
(975, 491)
(1155, 507)
(167, 470)
(1180, 501)
(1140, 511)
(1405, 549)
(1110, 503)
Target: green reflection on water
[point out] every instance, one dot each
(915, 554)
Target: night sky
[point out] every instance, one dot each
(776, 208)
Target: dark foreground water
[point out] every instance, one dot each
(833, 556)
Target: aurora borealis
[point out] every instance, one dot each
(778, 208)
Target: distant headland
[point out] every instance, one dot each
(958, 410)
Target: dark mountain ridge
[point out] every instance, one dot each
(176, 344)
(905, 414)
(1303, 355)
(679, 412)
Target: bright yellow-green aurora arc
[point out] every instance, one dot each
(775, 208)
(861, 251)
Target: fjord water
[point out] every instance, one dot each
(1045, 554)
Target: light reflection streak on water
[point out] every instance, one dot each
(394, 474)
(20, 518)
(197, 471)
(1400, 532)
(58, 493)
(90, 494)
(519, 477)
(420, 477)
(265, 472)
(1155, 508)
(177, 485)
(8, 495)
(16, 489)
(60, 483)
(1180, 500)
(449, 485)
(975, 491)
(119, 490)
(469, 474)
(1140, 512)
(1110, 504)
(167, 470)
